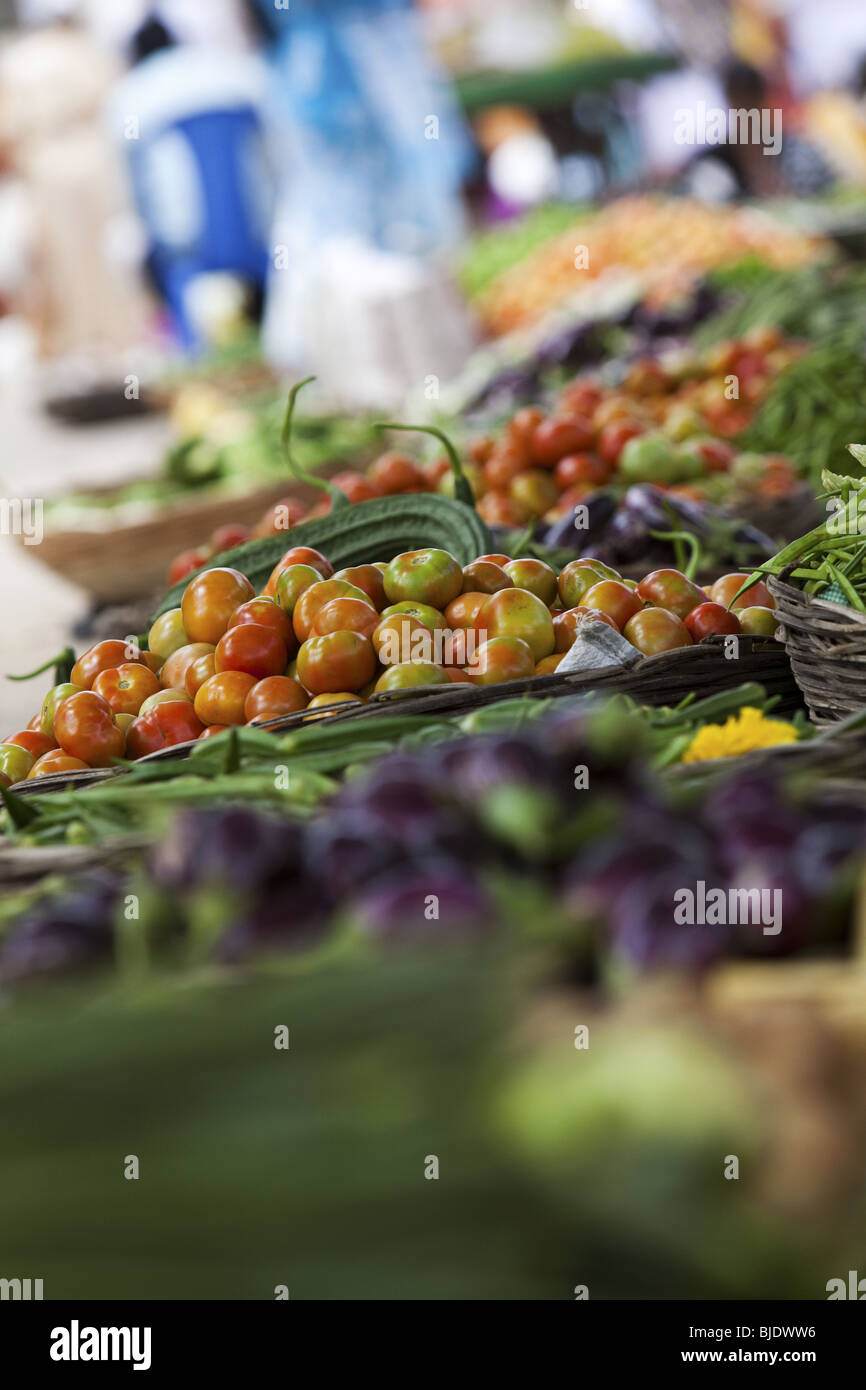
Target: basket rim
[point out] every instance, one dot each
(807, 601)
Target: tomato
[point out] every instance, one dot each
(367, 578)
(501, 659)
(423, 576)
(485, 577)
(294, 580)
(407, 674)
(222, 697)
(355, 486)
(500, 560)
(165, 697)
(497, 509)
(33, 740)
(273, 696)
(558, 436)
(85, 729)
(715, 454)
(55, 762)
(463, 610)
(184, 564)
(298, 555)
(104, 656)
(267, 613)
(314, 598)
(578, 577)
(567, 625)
(587, 469)
(395, 638)
(124, 721)
(228, 536)
(503, 466)
(517, 613)
(615, 599)
(213, 729)
(523, 424)
(656, 630)
(393, 472)
(126, 687)
(282, 516)
(533, 493)
(757, 595)
(430, 617)
(345, 615)
(549, 664)
(16, 762)
(167, 635)
(707, 619)
(210, 600)
(615, 436)
(51, 704)
(200, 671)
(164, 726)
(173, 673)
(336, 661)
(534, 575)
(757, 621)
(670, 589)
(579, 398)
(254, 648)
(335, 697)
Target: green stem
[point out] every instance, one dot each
(462, 489)
(679, 539)
(338, 498)
(62, 663)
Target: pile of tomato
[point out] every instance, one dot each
(315, 638)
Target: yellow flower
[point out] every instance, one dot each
(741, 733)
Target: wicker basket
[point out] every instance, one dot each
(826, 643)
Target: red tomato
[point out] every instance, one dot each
(671, 590)
(708, 619)
(33, 741)
(125, 687)
(614, 437)
(213, 729)
(558, 436)
(56, 761)
(298, 555)
(501, 659)
(345, 615)
(355, 486)
(282, 516)
(394, 472)
(164, 726)
(274, 695)
(579, 398)
(463, 610)
(503, 465)
(716, 454)
(173, 673)
(314, 598)
(85, 729)
(368, 579)
(254, 648)
(656, 630)
(523, 424)
(268, 613)
(497, 509)
(104, 656)
(184, 564)
(227, 537)
(210, 600)
(221, 699)
(587, 469)
(337, 661)
(485, 577)
(617, 600)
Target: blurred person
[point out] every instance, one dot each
(188, 119)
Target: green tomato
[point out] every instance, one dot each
(293, 581)
(167, 634)
(648, 458)
(430, 617)
(15, 762)
(427, 576)
(53, 699)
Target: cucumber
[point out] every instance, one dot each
(358, 535)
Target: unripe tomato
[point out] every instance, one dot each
(164, 726)
(51, 704)
(293, 580)
(708, 619)
(567, 625)
(165, 697)
(533, 492)
(222, 698)
(345, 615)
(615, 436)
(656, 630)
(486, 577)
(298, 555)
(33, 740)
(54, 762)
(105, 656)
(126, 687)
(558, 436)
(200, 671)
(534, 575)
(757, 621)
(85, 729)
(369, 579)
(268, 613)
(430, 617)
(518, 613)
(395, 638)
(273, 696)
(251, 647)
(406, 675)
(337, 661)
(577, 578)
(757, 595)
(501, 659)
(167, 634)
(173, 673)
(16, 762)
(424, 576)
(314, 598)
(671, 590)
(209, 601)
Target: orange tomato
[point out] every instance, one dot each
(210, 600)
(251, 647)
(273, 696)
(222, 698)
(56, 761)
(314, 598)
(126, 687)
(345, 615)
(501, 659)
(615, 599)
(463, 610)
(266, 612)
(336, 661)
(367, 578)
(104, 656)
(173, 673)
(199, 672)
(84, 728)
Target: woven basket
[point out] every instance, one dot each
(665, 679)
(826, 643)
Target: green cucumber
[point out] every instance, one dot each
(358, 535)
